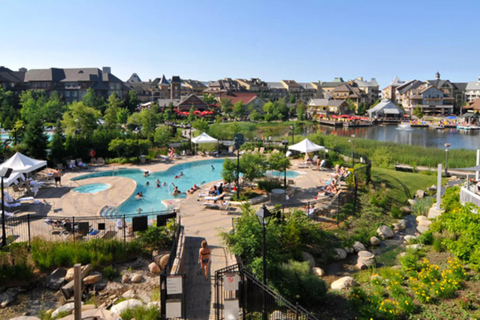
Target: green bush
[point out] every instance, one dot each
(141, 312)
(410, 261)
(396, 213)
(14, 264)
(110, 273)
(426, 238)
(156, 238)
(268, 185)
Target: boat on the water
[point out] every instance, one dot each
(468, 127)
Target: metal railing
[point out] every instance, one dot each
(60, 228)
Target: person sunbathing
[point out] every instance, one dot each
(213, 190)
(193, 189)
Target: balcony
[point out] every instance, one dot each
(470, 195)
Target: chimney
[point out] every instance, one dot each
(22, 70)
(106, 70)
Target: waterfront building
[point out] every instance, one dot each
(472, 90)
(386, 109)
(389, 92)
(369, 88)
(326, 107)
(249, 99)
(325, 89)
(12, 80)
(349, 91)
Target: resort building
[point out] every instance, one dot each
(385, 109)
(184, 104)
(325, 89)
(349, 91)
(73, 83)
(12, 80)
(369, 88)
(472, 90)
(325, 107)
(389, 92)
(249, 99)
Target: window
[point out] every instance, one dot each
(67, 93)
(74, 93)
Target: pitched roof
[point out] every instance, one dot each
(291, 83)
(134, 78)
(363, 83)
(7, 75)
(70, 75)
(275, 85)
(164, 81)
(245, 97)
(384, 104)
(307, 85)
(461, 85)
(473, 85)
(327, 102)
(409, 85)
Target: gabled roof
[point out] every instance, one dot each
(385, 104)
(275, 85)
(461, 85)
(327, 102)
(70, 75)
(163, 81)
(409, 85)
(473, 85)
(194, 83)
(307, 85)
(363, 83)
(7, 75)
(134, 78)
(291, 83)
(245, 97)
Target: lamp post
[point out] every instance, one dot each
(292, 127)
(353, 154)
(285, 143)
(447, 145)
(4, 173)
(237, 148)
(263, 216)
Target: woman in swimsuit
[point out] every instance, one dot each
(204, 258)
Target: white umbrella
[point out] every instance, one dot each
(306, 146)
(23, 164)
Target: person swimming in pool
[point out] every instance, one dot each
(146, 174)
(147, 184)
(213, 168)
(158, 181)
(164, 183)
(179, 175)
(176, 191)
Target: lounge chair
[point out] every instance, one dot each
(255, 150)
(93, 161)
(262, 150)
(302, 165)
(10, 215)
(220, 206)
(17, 189)
(215, 198)
(101, 161)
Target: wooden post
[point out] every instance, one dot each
(77, 276)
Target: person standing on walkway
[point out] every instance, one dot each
(204, 258)
(57, 174)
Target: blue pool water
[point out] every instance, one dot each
(92, 188)
(193, 172)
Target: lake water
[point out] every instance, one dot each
(425, 137)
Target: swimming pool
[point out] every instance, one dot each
(92, 188)
(193, 172)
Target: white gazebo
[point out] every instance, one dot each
(203, 138)
(20, 163)
(306, 146)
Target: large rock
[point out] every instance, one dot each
(412, 202)
(154, 268)
(405, 210)
(374, 241)
(396, 227)
(340, 254)
(309, 258)
(162, 261)
(129, 294)
(421, 218)
(403, 223)
(126, 278)
(277, 315)
(423, 229)
(85, 271)
(385, 232)
(343, 283)
(420, 194)
(434, 213)
(65, 308)
(8, 296)
(358, 246)
(318, 272)
(56, 279)
(136, 278)
(365, 259)
(415, 246)
(426, 223)
(93, 278)
(125, 305)
(409, 238)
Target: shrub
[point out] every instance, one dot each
(268, 185)
(155, 238)
(426, 238)
(437, 245)
(396, 213)
(464, 303)
(14, 264)
(409, 261)
(141, 312)
(110, 273)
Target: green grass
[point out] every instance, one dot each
(402, 185)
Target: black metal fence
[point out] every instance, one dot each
(60, 228)
(250, 297)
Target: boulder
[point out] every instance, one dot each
(8, 296)
(415, 246)
(385, 232)
(125, 305)
(65, 308)
(421, 218)
(99, 286)
(425, 222)
(406, 210)
(365, 259)
(277, 315)
(423, 229)
(126, 278)
(349, 249)
(412, 202)
(136, 278)
(163, 261)
(340, 254)
(374, 241)
(154, 268)
(358, 246)
(432, 188)
(434, 213)
(93, 278)
(85, 271)
(409, 238)
(153, 304)
(343, 283)
(309, 258)
(129, 294)
(403, 224)
(56, 279)
(318, 272)
(420, 194)
(396, 227)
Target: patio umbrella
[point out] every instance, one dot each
(451, 117)
(306, 146)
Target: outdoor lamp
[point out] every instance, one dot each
(263, 216)
(292, 127)
(447, 145)
(285, 143)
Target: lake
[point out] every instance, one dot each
(425, 137)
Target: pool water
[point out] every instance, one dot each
(199, 172)
(92, 188)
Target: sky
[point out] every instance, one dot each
(302, 40)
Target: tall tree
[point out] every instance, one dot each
(238, 109)
(301, 111)
(111, 113)
(91, 100)
(36, 139)
(80, 120)
(292, 98)
(209, 99)
(53, 108)
(131, 101)
(58, 143)
(226, 105)
(191, 115)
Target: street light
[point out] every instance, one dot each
(263, 216)
(447, 145)
(353, 155)
(292, 127)
(4, 173)
(285, 143)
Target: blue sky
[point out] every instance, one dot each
(304, 40)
